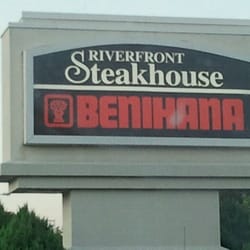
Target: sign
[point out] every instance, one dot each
(137, 94)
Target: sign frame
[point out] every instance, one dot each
(30, 138)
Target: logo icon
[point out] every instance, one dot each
(58, 111)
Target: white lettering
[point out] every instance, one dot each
(216, 79)
(80, 72)
(107, 76)
(122, 77)
(173, 78)
(203, 77)
(135, 73)
(189, 79)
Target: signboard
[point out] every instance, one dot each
(136, 94)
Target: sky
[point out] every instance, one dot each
(10, 11)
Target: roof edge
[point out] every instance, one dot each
(131, 18)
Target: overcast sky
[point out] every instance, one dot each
(10, 11)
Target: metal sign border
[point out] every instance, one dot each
(31, 139)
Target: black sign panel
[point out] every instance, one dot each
(139, 94)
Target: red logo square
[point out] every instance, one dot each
(58, 111)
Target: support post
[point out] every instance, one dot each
(141, 219)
